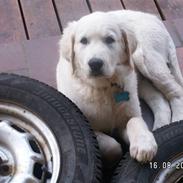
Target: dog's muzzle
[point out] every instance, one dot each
(95, 65)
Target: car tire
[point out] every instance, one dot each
(61, 120)
(167, 165)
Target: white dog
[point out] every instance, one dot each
(99, 58)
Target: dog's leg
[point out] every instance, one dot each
(111, 150)
(156, 101)
(154, 67)
(143, 146)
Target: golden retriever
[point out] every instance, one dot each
(106, 62)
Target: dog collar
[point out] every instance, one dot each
(121, 96)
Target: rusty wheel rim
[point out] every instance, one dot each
(28, 148)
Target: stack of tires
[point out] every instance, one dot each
(45, 138)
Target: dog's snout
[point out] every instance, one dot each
(96, 66)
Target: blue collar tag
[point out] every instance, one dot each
(121, 96)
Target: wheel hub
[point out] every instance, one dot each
(18, 157)
(5, 166)
(171, 174)
(29, 146)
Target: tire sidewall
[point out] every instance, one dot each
(74, 137)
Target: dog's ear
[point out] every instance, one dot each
(67, 42)
(130, 42)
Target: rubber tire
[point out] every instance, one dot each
(170, 144)
(80, 157)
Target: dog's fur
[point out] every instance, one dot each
(141, 45)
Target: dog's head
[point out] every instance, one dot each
(97, 45)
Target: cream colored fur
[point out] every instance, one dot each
(141, 43)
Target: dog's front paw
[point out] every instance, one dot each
(143, 148)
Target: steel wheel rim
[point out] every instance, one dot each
(173, 174)
(34, 129)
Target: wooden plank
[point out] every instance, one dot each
(40, 18)
(22, 72)
(34, 58)
(179, 27)
(104, 5)
(171, 8)
(12, 57)
(175, 28)
(173, 32)
(69, 10)
(42, 57)
(142, 5)
(11, 26)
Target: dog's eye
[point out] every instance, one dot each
(84, 40)
(109, 40)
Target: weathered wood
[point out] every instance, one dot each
(175, 28)
(11, 26)
(173, 32)
(22, 72)
(142, 5)
(38, 58)
(179, 27)
(12, 57)
(171, 8)
(40, 18)
(34, 58)
(69, 10)
(103, 5)
(42, 57)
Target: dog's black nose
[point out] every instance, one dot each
(96, 66)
